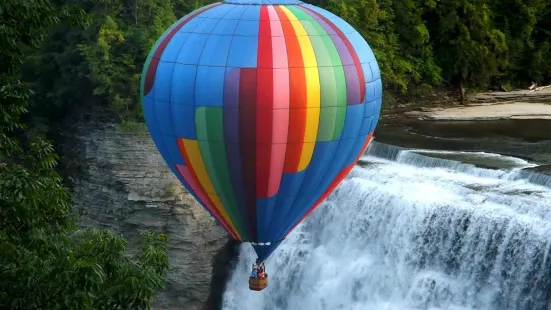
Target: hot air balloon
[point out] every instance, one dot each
(261, 108)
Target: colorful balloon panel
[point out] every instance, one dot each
(261, 110)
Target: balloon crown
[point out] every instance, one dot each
(263, 2)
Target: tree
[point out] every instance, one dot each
(112, 70)
(101, 65)
(466, 44)
(45, 262)
(115, 54)
(414, 42)
(397, 34)
(539, 59)
(523, 22)
(183, 7)
(375, 22)
(419, 44)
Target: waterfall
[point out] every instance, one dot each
(407, 230)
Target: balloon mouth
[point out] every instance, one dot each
(261, 243)
(263, 2)
(265, 249)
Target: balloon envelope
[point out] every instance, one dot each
(261, 109)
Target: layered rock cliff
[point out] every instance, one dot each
(120, 181)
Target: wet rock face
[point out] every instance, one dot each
(121, 182)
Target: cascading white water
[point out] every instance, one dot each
(401, 233)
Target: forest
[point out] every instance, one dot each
(62, 56)
(421, 46)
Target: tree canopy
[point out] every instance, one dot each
(420, 45)
(45, 261)
(423, 44)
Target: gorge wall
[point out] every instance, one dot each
(120, 182)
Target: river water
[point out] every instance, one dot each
(415, 230)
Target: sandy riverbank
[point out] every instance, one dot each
(519, 104)
(486, 111)
(514, 95)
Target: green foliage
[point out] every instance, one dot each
(115, 56)
(112, 71)
(526, 27)
(467, 43)
(421, 44)
(131, 126)
(398, 37)
(45, 263)
(100, 65)
(83, 270)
